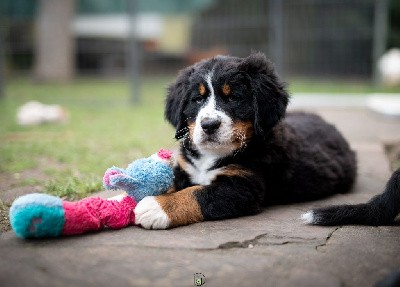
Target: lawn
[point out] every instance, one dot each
(104, 129)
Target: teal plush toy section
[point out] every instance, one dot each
(37, 215)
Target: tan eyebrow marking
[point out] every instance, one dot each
(226, 89)
(202, 89)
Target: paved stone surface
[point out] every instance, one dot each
(270, 249)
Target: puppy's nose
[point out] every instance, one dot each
(210, 125)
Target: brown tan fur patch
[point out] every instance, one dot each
(191, 126)
(181, 207)
(235, 170)
(226, 89)
(242, 132)
(182, 162)
(202, 89)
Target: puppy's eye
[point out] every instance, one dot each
(233, 98)
(228, 94)
(198, 99)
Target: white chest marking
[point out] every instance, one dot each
(199, 172)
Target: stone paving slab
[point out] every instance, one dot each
(272, 248)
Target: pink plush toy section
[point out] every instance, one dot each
(94, 213)
(164, 154)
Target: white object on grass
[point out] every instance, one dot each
(35, 113)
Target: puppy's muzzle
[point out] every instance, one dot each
(210, 125)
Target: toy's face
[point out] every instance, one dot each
(143, 177)
(151, 175)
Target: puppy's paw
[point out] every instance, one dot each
(150, 215)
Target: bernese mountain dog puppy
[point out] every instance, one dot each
(240, 151)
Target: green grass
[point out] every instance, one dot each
(104, 129)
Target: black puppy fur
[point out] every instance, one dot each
(286, 157)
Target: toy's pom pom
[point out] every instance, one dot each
(164, 154)
(37, 215)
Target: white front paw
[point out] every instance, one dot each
(150, 215)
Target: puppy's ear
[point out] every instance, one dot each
(176, 101)
(270, 98)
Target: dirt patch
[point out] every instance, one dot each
(13, 185)
(4, 220)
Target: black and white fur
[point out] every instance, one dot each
(240, 151)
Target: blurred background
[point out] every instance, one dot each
(106, 65)
(58, 41)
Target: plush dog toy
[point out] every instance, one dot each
(143, 177)
(40, 215)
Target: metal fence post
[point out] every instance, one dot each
(379, 36)
(133, 53)
(275, 14)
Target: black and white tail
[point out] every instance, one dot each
(380, 210)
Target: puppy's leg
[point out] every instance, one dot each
(168, 210)
(221, 199)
